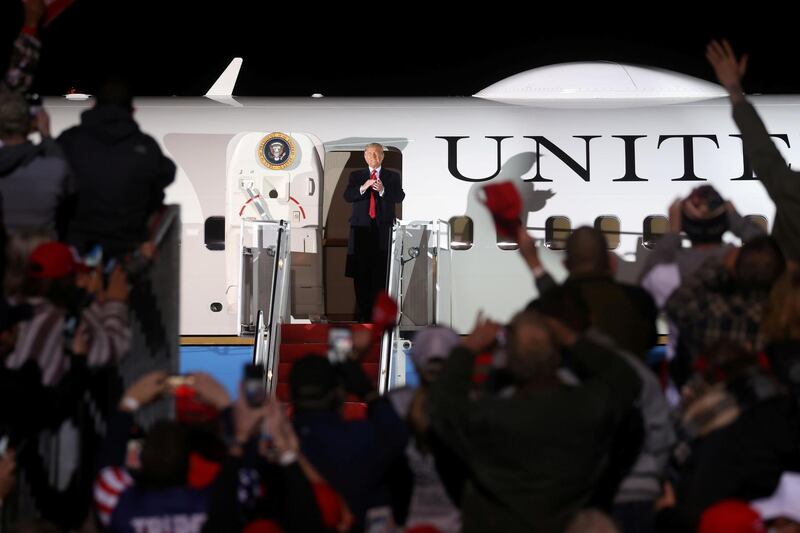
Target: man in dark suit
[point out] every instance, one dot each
(373, 192)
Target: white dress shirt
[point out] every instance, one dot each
(377, 171)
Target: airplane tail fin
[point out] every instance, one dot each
(227, 80)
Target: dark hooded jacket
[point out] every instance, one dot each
(120, 176)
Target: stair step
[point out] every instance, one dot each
(351, 411)
(313, 333)
(370, 369)
(283, 395)
(299, 340)
(289, 353)
(282, 392)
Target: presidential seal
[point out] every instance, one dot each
(276, 151)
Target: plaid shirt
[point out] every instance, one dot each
(21, 66)
(708, 307)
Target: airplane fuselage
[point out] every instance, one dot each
(624, 162)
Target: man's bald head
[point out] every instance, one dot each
(587, 251)
(532, 353)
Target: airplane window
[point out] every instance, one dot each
(461, 233)
(556, 232)
(609, 225)
(653, 228)
(214, 233)
(760, 221)
(506, 243)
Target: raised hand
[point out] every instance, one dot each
(8, 474)
(117, 288)
(34, 11)
(42, 121)
(527, 248)
(210, 391)
(483, 336)
(675, 215)
(246, 417)
(728, 69)
(146, 389)
(280, 429)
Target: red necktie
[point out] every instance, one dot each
(372, 212)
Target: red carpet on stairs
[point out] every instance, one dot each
(298, 340)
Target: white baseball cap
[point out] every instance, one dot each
(785, 502)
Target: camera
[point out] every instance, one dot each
(340, 344)
(255, 390)
(178, 380)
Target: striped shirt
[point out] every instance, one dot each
(42, 338)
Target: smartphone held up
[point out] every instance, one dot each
(254, 385)
(340, 344)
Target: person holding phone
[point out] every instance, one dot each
(70, 302)
(160, 491)
(35, 183)
(125, 498)
(358, 458)
(373, 191)
(23, 385)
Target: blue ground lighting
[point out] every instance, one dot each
(225, 363)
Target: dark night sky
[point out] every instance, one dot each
(414, 49)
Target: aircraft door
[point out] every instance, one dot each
(340, 302)
(278, 176)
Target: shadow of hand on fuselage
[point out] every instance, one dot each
(512, 170)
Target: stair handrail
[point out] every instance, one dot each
(393, 286)
(274, 311)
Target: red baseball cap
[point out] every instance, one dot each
(263, 526)
(51, 260)
(505, 204)
(731, 516)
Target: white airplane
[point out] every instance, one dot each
(587, 143)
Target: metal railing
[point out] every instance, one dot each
(58, 471)
(419, 260)
(264, 290)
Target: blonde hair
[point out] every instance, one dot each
(781, 319)
(377, 146)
